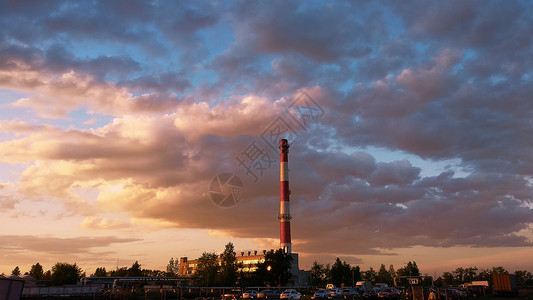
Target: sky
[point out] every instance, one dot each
(148, 130)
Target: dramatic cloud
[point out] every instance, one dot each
(409, 123)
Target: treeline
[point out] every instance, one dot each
(341, 272)
(223, 270)
(65, 273)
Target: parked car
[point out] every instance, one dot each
(268, 294)
(321, 294)
(232, 295)
(389, 293)
(335, 292)
(348, 291)
(249, 294)
(290, 294)
(370, 294)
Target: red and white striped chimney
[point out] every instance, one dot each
(284, 208)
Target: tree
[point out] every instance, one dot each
(485, 274)
(470, 274)
(523, 278)
(100, 272)
(356, 274)
(120, 272)
(447, 279)
(207, 269)
(340, 273)
(459, 274)
(411, 269)
(228, 267)
(276, 269)
(65, 273)
(153, 273)
(16, 271)
(384, 275)
(48, 275)
(37, 271)
(370, 275)
(135, 270)
(392, 273)
(499, 270)
(173, 267)
(318, 274)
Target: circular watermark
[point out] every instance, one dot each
(226, 190)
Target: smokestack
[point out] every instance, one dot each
(284, 208)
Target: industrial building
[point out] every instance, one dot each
(250, 261)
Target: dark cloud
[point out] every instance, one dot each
(162, 83)
(400, 173)
(440, 81)
(322, 33)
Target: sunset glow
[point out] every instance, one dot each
(409, 126)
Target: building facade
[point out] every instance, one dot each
(248, 262)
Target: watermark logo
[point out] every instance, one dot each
(262, 153)
(305, 111)
(226, 190)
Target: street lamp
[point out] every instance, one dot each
(269, 268)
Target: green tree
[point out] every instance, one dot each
(392, 273)
(119, 272)
(384, 276)
(36, 271)
(48, 275)
(447, 279)
(485, 274)
(16, 271)
(356, 274)
(459, 275)
(523, 278)
(100, 272)
(173, 267)
(135, 270)
(228, 266)
(341, 273)
(318, 274)
(470, 274)
(411, 269)
(207, 269)
(499, 270)
(276, 269)
(327, 271)
(370, 275)
(65, 273)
